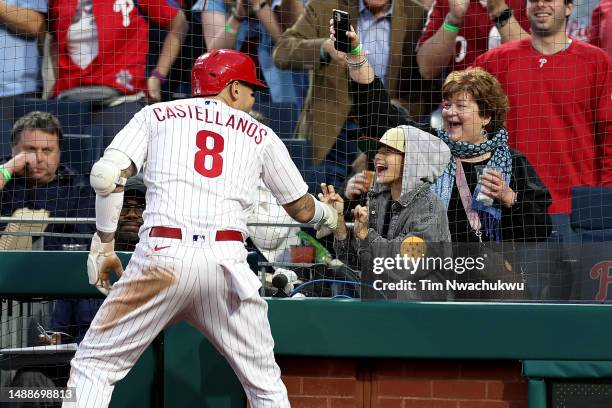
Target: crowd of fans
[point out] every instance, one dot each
(513, 86)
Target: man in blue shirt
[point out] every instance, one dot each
(19, 58)
(33, 178)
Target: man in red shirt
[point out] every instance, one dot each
(560, 95)
(99, 49)
(560, 116)
(457, 31)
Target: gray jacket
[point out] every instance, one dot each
(418, 212)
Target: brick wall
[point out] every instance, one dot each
(349, 383)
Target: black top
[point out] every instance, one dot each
(528, 220)
(69, 195)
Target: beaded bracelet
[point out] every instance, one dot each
(356, 65)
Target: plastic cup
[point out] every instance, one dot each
(480, 170)
(369, 178)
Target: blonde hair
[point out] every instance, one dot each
(486, 91)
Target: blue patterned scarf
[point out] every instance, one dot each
(490, 216)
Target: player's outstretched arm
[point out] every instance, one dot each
(309, 210)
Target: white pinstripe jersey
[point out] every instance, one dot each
(203, 164)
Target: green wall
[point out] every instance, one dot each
(196, 374)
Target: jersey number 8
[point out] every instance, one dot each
(208, 161)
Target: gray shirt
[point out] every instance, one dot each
(418, 213)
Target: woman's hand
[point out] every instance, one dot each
(360, 228)
(494, 186)
(352, 36)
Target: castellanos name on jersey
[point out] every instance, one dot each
(204, 163)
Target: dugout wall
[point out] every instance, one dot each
(313, 333)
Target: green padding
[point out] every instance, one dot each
(536, 391)
(440, 330)
(567, 369)
(39, 273)
(195, 374)
(35, 273)
(136, 390)
(324, 327)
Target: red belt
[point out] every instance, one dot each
(175, 233)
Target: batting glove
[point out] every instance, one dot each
(100, 262)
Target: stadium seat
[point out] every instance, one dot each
(5, 138)
(81, 151)
(592, 213)
(281, 117)
(591, 221)
(300, 151)
(73, 115)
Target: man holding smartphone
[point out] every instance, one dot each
(389, 31)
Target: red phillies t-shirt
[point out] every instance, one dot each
(122, 42)
(556, 102)
(473, 37)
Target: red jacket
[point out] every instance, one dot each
(122, 50)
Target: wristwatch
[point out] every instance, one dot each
(503, 18)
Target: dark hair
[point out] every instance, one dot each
(486, 91)
(37, 120)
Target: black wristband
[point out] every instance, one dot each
(503, 18)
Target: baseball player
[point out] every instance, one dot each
(205, 157)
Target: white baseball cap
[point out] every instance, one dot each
(393, 138)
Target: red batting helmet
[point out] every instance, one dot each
(214, 70)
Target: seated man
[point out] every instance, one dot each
(33, 178)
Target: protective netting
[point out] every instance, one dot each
(93, 65)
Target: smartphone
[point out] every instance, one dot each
(342, 24)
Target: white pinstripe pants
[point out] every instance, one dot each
(184, 281)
